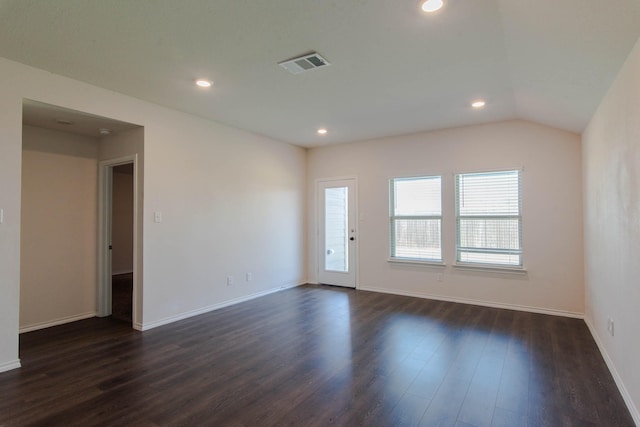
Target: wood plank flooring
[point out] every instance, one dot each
(317, 356)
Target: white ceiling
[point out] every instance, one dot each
(395, 70)
(49, 116)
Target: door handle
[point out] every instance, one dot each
(352, 238)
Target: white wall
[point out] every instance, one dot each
(58, 231)
(611, 150)
(552, 211)
(10, 171)
(233, 202)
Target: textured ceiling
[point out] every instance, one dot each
(395, 70)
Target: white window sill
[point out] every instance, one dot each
(491, 268)
(417, 262)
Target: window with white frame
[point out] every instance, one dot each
(416, 218)
(488, 219)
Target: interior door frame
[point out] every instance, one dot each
(105, 205)
(320, 215)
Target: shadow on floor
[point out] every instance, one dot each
(122, 297)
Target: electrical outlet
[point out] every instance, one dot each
(439, 277)
(249, 277)
(229, 280)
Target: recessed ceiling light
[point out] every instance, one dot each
(63, 122)
(322, 131)
(432, 5)
(478, 104)
(204, 83)
(104, 131)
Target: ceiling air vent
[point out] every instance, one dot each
(304, 63)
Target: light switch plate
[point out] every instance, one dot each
(157, 216)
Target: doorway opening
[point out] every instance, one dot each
(63, 154)
(117, 295)
(121, 242)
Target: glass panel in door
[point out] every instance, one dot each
(336, 217)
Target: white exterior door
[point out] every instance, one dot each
(337, 232)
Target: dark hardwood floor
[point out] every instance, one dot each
(122, 297)
(317, 356)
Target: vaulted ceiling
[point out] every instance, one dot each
(394, 69)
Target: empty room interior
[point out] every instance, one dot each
(302, 212)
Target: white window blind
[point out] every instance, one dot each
(416, 218)
(488, 218)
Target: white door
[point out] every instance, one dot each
(337, 232)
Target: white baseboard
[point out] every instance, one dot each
(614, 372)
(56, 322)
(7, 366)
(515, 307)
(182, 316)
